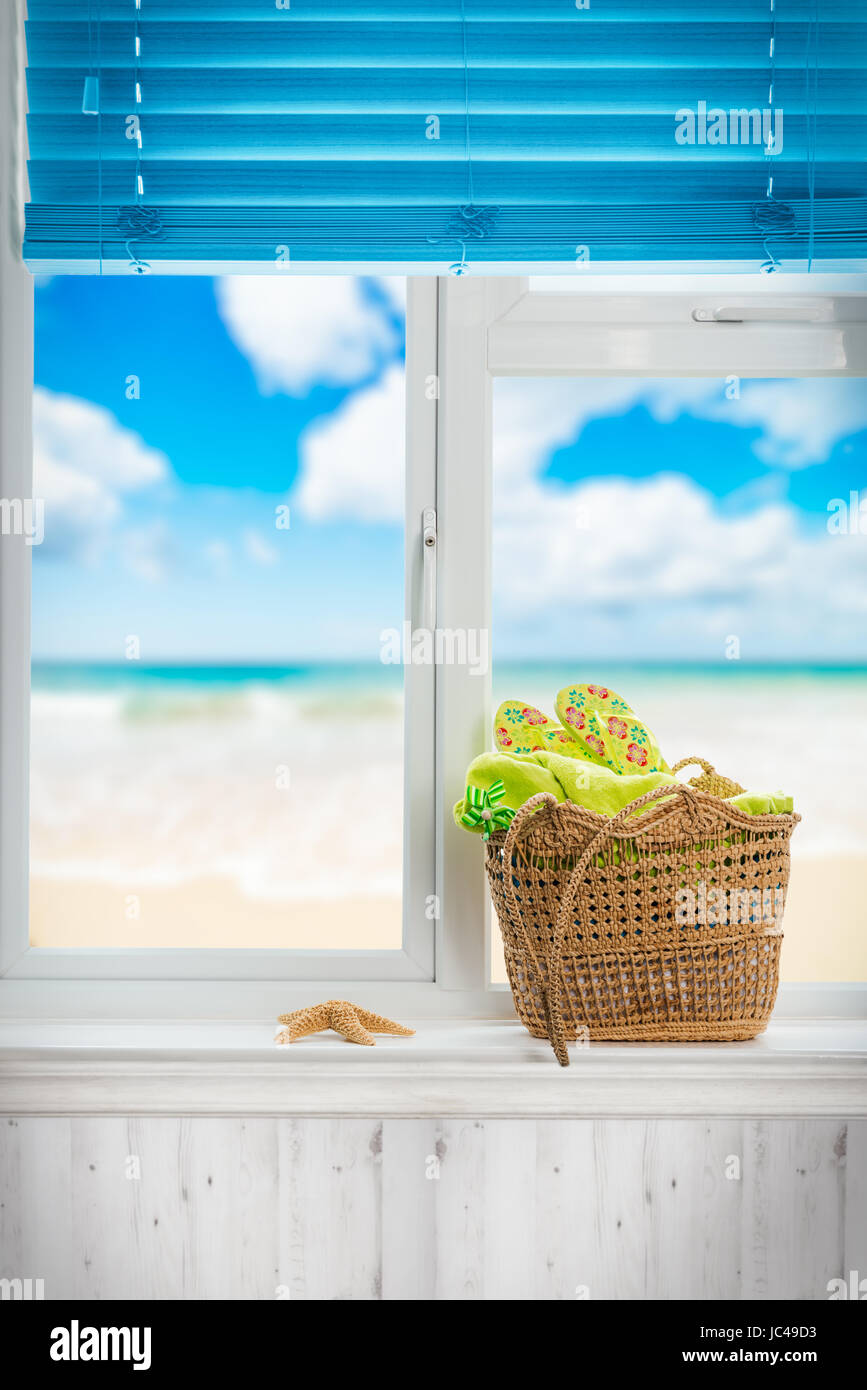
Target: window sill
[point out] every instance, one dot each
(476, 1067)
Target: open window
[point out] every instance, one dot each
(231, 749)
(243, 767)
(559, 447)
(222, 723)
(675, 506)
(554, 440)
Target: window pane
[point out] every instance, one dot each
(700, 546)
(217, 752)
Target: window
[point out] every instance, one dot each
(503, 431)
(608, 402)
(231, 759)
(692, 543)
(241, 781)
(217, 727)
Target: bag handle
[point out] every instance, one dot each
(696, 762)
(684, 795)
(524, 813)
(711, 781)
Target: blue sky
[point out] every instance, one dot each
(720, 457)
(645, 519)
(231, 450)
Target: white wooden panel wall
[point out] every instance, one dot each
(424, 1209)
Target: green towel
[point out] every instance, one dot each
(586, 784)
(605, 757)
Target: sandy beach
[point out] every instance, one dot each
(205, 912)
(220, 814)
(825, 938)
(258, 814)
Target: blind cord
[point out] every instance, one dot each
(772, 218)
(468, 222)
(136, 220)
(812, 78)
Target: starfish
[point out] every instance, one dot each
(355, 1024)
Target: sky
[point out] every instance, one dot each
(161, 515)
(176, 420)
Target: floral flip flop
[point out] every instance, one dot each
(521, 728)
(612, 733)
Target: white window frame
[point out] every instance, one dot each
(795, 325)
(462, 332)
(414, 960)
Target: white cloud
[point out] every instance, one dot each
(640, 542)
(655, 558)
(258, 549)
(84, 461)
(654, 569)
(658, 551)
(301, 331)
(89, 439)
(799, 421)
(352, 461)
(75, 502)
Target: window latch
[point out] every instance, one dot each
(815, 312)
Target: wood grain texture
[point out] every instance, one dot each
(459, 1227)
(855, 1199)
(795, 1207)
(420, 1209)
(411, 1166)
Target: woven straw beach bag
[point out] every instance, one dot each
(660, 926)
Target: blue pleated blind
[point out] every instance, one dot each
(185, 133)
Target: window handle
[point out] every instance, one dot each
(796, 312)
(429, 585)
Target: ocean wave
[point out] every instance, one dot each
(172, 704)
(89, 706)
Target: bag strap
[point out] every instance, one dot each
(681, 796)
(524, 814)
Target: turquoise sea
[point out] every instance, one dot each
(264, 803)
(99, 675)
(797, 728)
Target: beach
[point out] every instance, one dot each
(217, 808)
(263, 808)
